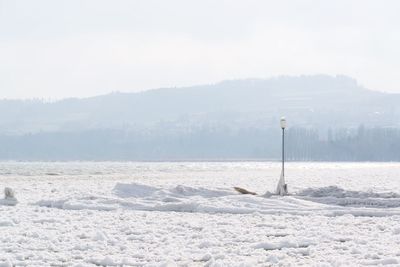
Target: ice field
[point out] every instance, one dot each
(187, 214)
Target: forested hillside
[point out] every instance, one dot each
(329, 118)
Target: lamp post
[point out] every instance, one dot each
(283, 126)
(282, 186)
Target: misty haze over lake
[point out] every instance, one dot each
(329, 117)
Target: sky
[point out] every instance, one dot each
(79, 48)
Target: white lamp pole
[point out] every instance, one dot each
(283, 126)
(282, 186)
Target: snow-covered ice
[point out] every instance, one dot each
(187, 214)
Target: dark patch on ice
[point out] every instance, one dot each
(277, 235)
(285, 244)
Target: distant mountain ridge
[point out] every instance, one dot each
(308, 101)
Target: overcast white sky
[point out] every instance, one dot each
(54, 49)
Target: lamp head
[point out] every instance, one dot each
(283, 123)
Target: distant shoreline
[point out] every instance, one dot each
(192, 160)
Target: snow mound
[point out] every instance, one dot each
(389, 261)
(285, 243)
(134, 190)
(326, 201)
(335, 191)
(201, 191)
(333, 195)
(9, 201)
(139, 190)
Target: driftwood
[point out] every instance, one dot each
(244, 191)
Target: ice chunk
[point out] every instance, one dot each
(9, 197)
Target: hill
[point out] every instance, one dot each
(315, 101)
(228, 120)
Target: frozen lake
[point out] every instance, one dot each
(187, 214)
